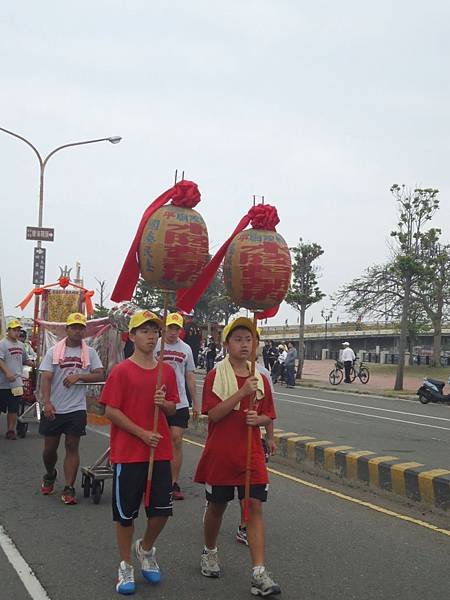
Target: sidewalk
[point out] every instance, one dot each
(382, 378)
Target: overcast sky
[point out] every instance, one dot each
(319, 106)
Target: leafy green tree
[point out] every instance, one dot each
(304, 290)
(415, 208)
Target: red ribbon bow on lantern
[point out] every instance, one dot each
(184, 193)
(261, 216)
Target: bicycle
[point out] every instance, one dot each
(362, 373)
(337, 374)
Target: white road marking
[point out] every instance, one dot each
(370, 416)
(400, 412)
(354, 412)
(22, 568)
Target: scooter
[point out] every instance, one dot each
(432, 390)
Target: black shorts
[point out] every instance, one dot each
(73, 423)
(129, 483)
(180, 418)
(8, 402)
(225, 493)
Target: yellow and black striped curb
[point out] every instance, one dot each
(410, 479)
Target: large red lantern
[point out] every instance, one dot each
(257, 265)
(173, 248)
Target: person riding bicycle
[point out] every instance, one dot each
(348, 356)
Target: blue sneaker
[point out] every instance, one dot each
(125, 580)
(149, 566)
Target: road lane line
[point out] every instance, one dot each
(369, 505)
(400, 412)
(354, 412)
(376, 408)
(22, 568)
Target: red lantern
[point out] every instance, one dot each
(173, 247)
(257, 265)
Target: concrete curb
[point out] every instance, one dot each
(411, 480)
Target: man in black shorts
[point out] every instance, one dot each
(178, 354)
(12, 358)
(65, 364)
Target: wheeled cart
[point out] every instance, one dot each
(93, 477)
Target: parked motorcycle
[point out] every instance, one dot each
(432, 390)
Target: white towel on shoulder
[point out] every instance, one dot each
(225, 381)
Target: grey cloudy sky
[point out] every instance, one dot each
(320, 106)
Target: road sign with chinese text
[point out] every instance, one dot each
(44, 234)
(39, 266)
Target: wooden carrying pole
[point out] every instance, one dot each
(156, 409)
(248, 464)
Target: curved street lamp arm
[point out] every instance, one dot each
(20, 137)
(70, 145)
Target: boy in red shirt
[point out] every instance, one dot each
(130, 396)
(226, 396)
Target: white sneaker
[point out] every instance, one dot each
(209, 564)
(125, 580)
(149, 566)
(263, 585)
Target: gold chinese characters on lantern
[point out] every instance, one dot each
(173, 248)
(257, 268)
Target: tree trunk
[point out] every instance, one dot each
(403, 335)
(301, 343)
(437, 333)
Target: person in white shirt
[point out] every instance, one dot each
(178, 354)
(348, 356)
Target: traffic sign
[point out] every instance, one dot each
(39, 266)
(43, 234)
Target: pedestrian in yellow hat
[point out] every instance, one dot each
(178, 354)
(12, 358)
(69, 362)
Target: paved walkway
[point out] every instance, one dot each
(317, 371)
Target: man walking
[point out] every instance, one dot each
(178, 354)
(65, 364)
(12, 358)
(289, 365)
(348, 356)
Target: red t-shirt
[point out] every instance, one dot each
(131, 388)
(224, 457)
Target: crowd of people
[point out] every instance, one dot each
(228, 393)
(281, 361)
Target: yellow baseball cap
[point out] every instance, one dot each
(76, 319)
(142, 317)
(174, 319)
(14, 324)
(239, 322)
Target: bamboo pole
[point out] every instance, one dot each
(156, 409)
(248, 465)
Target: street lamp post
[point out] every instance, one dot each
(42, 164)
(326, 315)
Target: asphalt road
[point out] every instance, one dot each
(319, 546)
(391, 426)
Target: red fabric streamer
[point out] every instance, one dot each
(62, 282)
(185, 193)
(261, 216)
(88, 302)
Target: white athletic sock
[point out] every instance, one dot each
(212, 551)
(258, 570)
